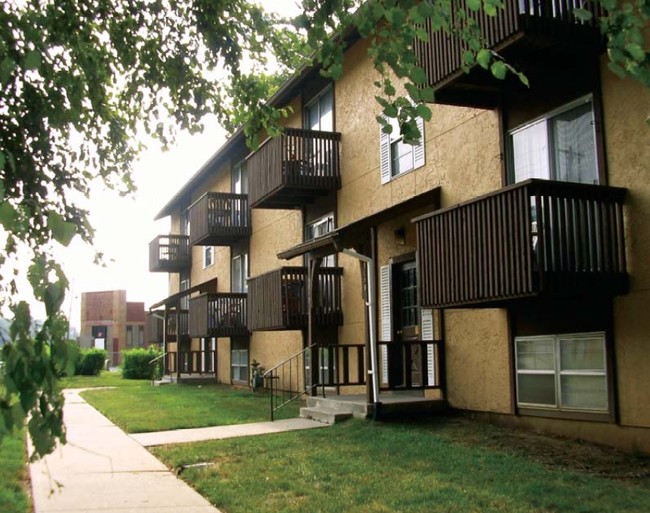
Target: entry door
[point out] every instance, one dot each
(406, 365)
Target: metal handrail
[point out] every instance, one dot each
(280, 394)
(155, 360)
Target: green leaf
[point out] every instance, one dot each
(523, 79)
(582, 14)
(418, 75)
(7, 216)
(423, 111)
(483, 57)
(474, 5)
(635, 51)
(33, 60)
(427, 94)
(499, 70)
(617, 70)
(62, 230)
(2, 160)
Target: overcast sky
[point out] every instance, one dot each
(125, 226)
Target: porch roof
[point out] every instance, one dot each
(206, 286)
(351, 234)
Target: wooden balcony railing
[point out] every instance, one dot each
(154, 327)
(218, 315)
(191, 362)
(278, 299)
(293, 168)
(219, 219)
(535, 238)
(169, 253)
(177, 325)
(521, 28)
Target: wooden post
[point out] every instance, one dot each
(312, 290)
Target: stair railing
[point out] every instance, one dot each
(286, 381)
(153, 372)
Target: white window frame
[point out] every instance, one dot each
(543, 123)
(558, 372)
(387, 144)
(328, 221)
(243, 279)
(239, 366)
(316, 100)
(208, 256)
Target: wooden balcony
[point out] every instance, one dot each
(169, 254)
(177, 325)
(294, 168)
(539, 37)
(534, 239)
(278, 299)
(218, 315)
(219, 219)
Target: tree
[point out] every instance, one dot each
(82, 80)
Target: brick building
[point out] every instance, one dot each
(110, 322)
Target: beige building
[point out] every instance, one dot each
(499, 266)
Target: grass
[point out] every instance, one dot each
(105, 379)
(13, 475)
(364, 467)
(143, 408)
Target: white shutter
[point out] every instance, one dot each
(384, 155)
(386, 324)
(418, 150)
(426, 320)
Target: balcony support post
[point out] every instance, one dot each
(312, 290)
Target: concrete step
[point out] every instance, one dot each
(325, 415)
(165, 380)
(356, 408)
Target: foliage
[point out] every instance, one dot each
(91, 361)
(104, 379)
(136, 363)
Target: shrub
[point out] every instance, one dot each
(73, 355)
(136, 363)
(91, 362)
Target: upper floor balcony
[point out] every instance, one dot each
(537, 238)
(278, 299)
(169, 253)
(537, 36)
(218, 315)
(219, 219)
(294, 168)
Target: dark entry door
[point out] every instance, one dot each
(405, 361)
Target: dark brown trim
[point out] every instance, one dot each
(567, 415)
(503, 146)
(599, 128)
(399, 259)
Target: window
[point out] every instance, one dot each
(318, 228)
(319, 112)
(134, 336)
(239, 365)
(239, 273)
(558, 146)
(208, 256)
(562, 372)
(397, 157)
(240, 178)
(185, 300)
(185, 222)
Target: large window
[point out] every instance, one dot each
(319, 112)
(560, 145)
(397, 157)
(562, 372)
(239, 365)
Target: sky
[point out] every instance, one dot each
(124, 226)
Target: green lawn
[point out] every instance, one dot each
(13, 475)
(142, 408)
(365, 467)
(105, 379)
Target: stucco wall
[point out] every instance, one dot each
(269, 348)
(626, 104)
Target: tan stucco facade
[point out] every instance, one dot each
(464, 159)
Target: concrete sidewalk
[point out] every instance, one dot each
(101, 468)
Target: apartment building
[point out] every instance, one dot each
(110, 322)
(499, 266)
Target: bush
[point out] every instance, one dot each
(73, 355)
(91, 362)
(136, 363)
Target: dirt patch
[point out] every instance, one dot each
(552, 451)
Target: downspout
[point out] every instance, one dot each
(372, 320)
